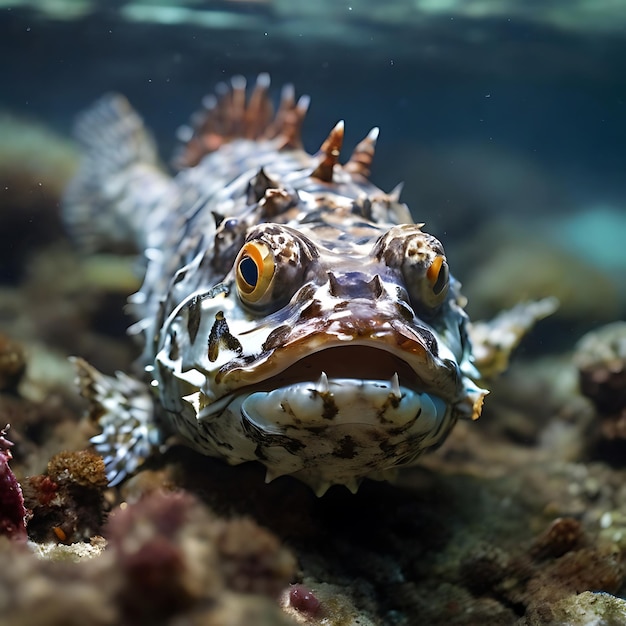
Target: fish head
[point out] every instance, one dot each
(326, 359)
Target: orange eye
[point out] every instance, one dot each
(437, 275)
(421, 259)
(254, 270)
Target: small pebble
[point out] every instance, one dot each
(302, 599)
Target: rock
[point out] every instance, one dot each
(601, 360)
(509, 264)
(583, 609)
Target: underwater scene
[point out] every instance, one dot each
(312, 312)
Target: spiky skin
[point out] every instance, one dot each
(292, 312)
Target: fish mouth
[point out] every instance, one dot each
(334, 416)
(362, 346)
(346, 385)
(327, 385)
(334, 413)
(347, 362)
(377, 362)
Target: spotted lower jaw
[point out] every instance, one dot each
(329, 431)
(342, 401)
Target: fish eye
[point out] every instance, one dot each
(254, 270)
(271, 267)
(248, 274)
(422, 262)
(438, 276)
(427, 281)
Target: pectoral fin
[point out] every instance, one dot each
(494, 340)
(125, 410)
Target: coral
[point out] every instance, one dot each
(38, 592)
(169, 560)
(12, 511)
(582, 609)
(587, 569)
(83, 468)
(41, 490)
(601, 360)
(67, 503)
(175, 556)
(147, 539)
(559, 563)
(446, 604)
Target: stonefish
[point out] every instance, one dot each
(292, 312)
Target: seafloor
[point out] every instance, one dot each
(519, 519)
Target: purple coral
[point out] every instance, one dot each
(12, 511)
(304, 600)
(175, 556)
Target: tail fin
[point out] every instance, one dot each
(119, 185)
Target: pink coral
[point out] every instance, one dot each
(12, 511)
(175, 556)
(304, 600)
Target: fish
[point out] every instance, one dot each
(291, 312)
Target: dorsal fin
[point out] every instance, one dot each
(330, 154)
(360, 162)
(259, 112)
(289, 118)
(227, 116)
(396, 192)
(237, 110)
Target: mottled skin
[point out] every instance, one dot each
(292, 313)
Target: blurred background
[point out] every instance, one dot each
(506, 119)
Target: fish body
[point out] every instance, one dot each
(292, 313)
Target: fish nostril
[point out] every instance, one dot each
(355, 285)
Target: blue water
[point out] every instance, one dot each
(513, 114)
